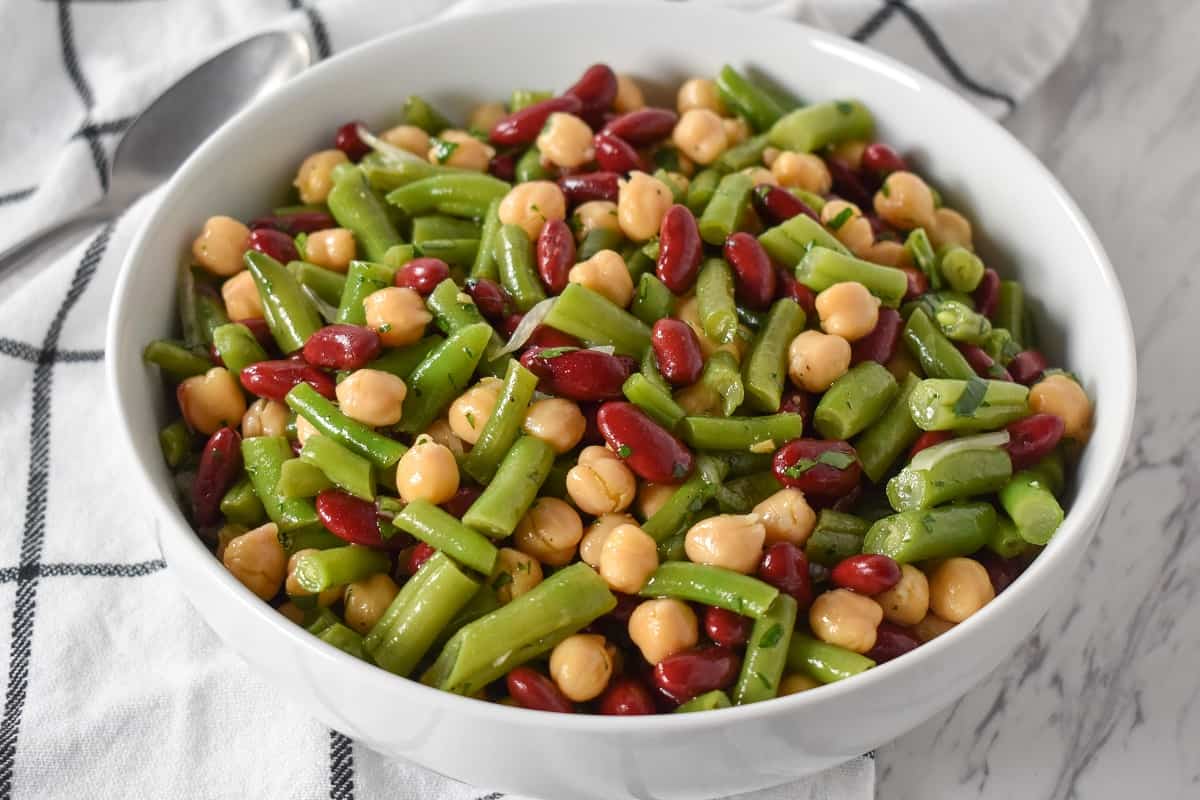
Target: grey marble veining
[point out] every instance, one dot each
(1103, 700)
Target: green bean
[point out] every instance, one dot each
(712, 586)
(485, 257)
(530, 625)
(344, 639)
(310, 537)
(638, 263)
(439, 226)
(455, 252)
(352, 434)
(722, 376)
(889, 436)
(362, 280)
(727, 209)
(466, 194)
(316, 620)
(454, 310)
(678, 192)
(598, 239)
(971, 405)
(524, 469)
(766, 653)
(1010, 311)
(821, 268)
(656, 402)
(338, 566)
(503, 426)
(676, 515)
(176, 443)
(747, 154)
(747, 99)
(398, 255)
(442, 376)
(185, 301)
(750, 318)
(666, 158)
(813, 127)
(837, 536)
(443, 532)
(401, 361)
(210, 315)
(556, 481)
(855, 400)
(741, 495)
(301, 479)
(264, 457)
(960, 323)
(824, 662)
(241, 505)
(482, 603)
(938, 356)
(1000, 346)
(701, 190)
(708, 701)
(596, 320)
(514, 259)
(714, 301)
(237, 347)
(788, 242)
(1032, 507)
(765, 367)
(176, 361)
(419, 112)
(348, 470)
(529, 167)
(651, 374)
(1006, 540)
(1052, 471)
(957, 476)
(675, 548)
(355, 206)
(325, 283)
(653, 300)
(522, 98)
(740, 463)
(384, 175)
(741, 433)
(920, 249)
(290, 315)
(934, 533)
(961, 268)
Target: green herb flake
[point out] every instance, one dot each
(624, 451)
(679, 470)
(554, 352)
(771, 637)
(385, 327)
(442, 150)
(844, 107)
(841, 219)
(801, 466)
(971, 398)
(836, 459)
(884, 190)
(470, 419)
(503, 579)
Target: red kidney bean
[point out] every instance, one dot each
(522, 127)
(545, 336)
(504, 165)
(349, 142)
(848, 184)
(300, 222)
(490, 298)
(795, 402)
(928, 439)
(276, 244)
(753, 274)
(693, 672)
(579, 374)
(614, 154)
(274, 379)
(596, 89)
(588, 186)
(820, 479)
(220, 465)
(342, 347)
(643, 126)
(881, 160)
(261, 331)
(350, 518)
(555, 255)
(626, 697)
(918, 283)
(866, 574)
(462, 500)
(644, 445)
(412, 558)
(982, 363)
(532, 689)
(508, 325)
(891, 641)
(987, 293)
(725, 627)
(805, 297)
(1001, 571)
(1027, 367)
(423, 274)
(1033, 438)
(785, 567)
(775, 205)
(215, 357)
(844, 504)
(880, 344)
(626, 603)
(680, 249)
(677, 350)
(591, 432)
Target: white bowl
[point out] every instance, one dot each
(1027, 226)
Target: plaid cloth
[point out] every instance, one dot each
(113, 687)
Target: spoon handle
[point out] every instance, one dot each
(34, 241)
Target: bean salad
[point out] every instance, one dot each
(591, 406)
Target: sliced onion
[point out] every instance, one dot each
(529, 323)
(327, 312)
(607, 349)
(389, 151)
(930, 456)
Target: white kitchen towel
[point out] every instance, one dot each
(114, 688)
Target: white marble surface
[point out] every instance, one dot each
(1101, 702)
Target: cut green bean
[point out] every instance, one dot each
(957, 476)
(185, 302)
(485, 258)
(821, 268)
(348, 470)
(362, 280)
(920, 249)
(653, 300)
(514, 260)
(747, 99)
(701, 190)
(650, 398)
(959, 323)
(385, 175)
(837, 536)
(522, 98)
(938, 356)
(678, 192)
(788, 242)
(808, 129)
(970, 405)
(596, 320)
(714, 301)
(466, 194)
(316, 572)
(598, 239)
(210, 315)
(727, 209)
(1006, 540)
(1032, 507)
(355, 206)
(765, 367)
(524, 469)
(1010, 311)
(175, 360)
(440, 226)
(722, 376)
(352, 434)
(889, 436)
(325, 283)
(855, 400)
(442, 376)
(176, 443)
(301, 479)
(961, 268)
(237, 347)
(741, 495)
(290, 315)
(1052, 471)
(264, 457)
(713, 586)
(310, 537)
(418, 111)
(824, 662)
(766, 653)
(455, 252)
(741, 433)
(529, 167)
(344, 639)
(912, 536)
(445, 533)
(503, 426)
(709, 701)
(747, 154)
(401, 361)
(676, 515)
(740, 463)
(241, 505)
(482, 603)
(454, 310)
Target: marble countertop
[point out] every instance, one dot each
(1101, 701)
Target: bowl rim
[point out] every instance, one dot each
(368, 677)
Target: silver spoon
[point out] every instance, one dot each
(175, 124)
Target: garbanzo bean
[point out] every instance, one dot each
(907, 602)
(605, 274)
(700, 134)
(662, 628)
(471, 410)
(732, 541)
(595, 214)
(366, 600)
(849, 153)
(888, 253)
(849, 225)
(556, 421)
(292, 612)
(629, 95)
(220, 245)
(549, 531)
(652, 497)
(816, 360)
(786, 516)
(950, 228)
(453, 148)
(802, 171)
(256, 558)
(265, 418)
(372, 396)
(905, 202)
(566, 140)
(641, 205)
(294, 589)
(408, 137)
(228, 532)
(931, 627)
(439, 430)
(211, 401)
(581, 666)
(796, 682)
(427, 471)
(485, 115)
(769, 155)
(592, 543)
(761, 176)
(699, 93)
(845, 619)
(532, 204)
(600, 483)
(304, 429)
(515, 574)
(958, 588)
(242, 300)
(848, 310)
(314, 179)
(332, 248)
(1064, 398)
(737, 130)
(398, 314)
(628, 558)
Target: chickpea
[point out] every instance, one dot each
(427, 471)
(439, 430)
(732, 541)
(532, 204)
(220, 246)
(761, 176)
(292, 612)
(332, 248)
(485, 115)
(737, 130)
(471, 410)
(372, 396)
(950, 228)
(293, 588)
(958, 588)
(701, 135)
(460, 149)
(314, 179)
(304, 430)
(514, 574)
(407, 137)
(265, 418)
(845, 619)
(211, 401)
(398, 314)
(629, 95)
(653, 496)
(581, 666)
(786, 516)
(1064, 398)
(907, 602)
(549, 531)
(816, 360)
(228, 532)
(557, 422)
(802, 171)
(931, 627)
(566, 141)
(256, 558)
(605, 274)
(242, 300)
(849, 225)
(662, 628)
(796, 682)
(595, 214)
(641, 205)
(600, 483)
(592, 544)
(905, 202)
(848, 310)
(628, 558)
(888, 253)
(849, 153)
(366, 600)
(770, 154)
(699, 93)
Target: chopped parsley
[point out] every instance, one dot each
(442, 150)
(555, 352)
(470, 419)
(385, 327)
(830, 458)
(844, 106)
(772, 636)
(624, 451)
(841, 219)
(972, 397)
(503, 579)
